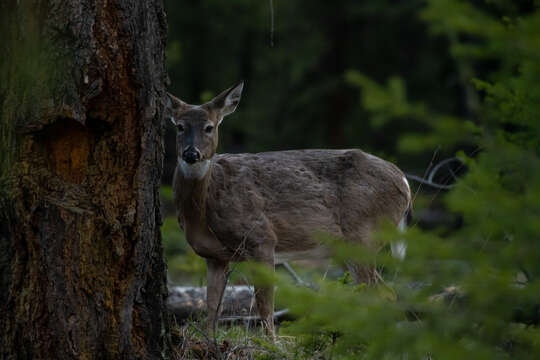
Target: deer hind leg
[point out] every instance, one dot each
(363, 273)
(216, 282)
(368, 273)
(264, 296)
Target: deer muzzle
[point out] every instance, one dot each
(191, 155)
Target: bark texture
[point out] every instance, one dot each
(82, 270)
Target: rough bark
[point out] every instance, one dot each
(81, 263)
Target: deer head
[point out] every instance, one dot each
(197, 129)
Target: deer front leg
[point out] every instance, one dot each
(264, 296)
(216, 272)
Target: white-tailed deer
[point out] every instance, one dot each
(267, 206)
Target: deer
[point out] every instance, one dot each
(266, 207)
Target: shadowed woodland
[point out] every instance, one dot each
(93, 262)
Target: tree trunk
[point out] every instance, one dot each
(82, 273)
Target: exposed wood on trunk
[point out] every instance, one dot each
(83, 274)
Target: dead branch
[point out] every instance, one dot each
(189, 302)
(277, 314)
(428, 180)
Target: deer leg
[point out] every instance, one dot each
(216, 282)
(363, 273)
(264, 297)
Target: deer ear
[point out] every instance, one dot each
(228, 100)
(175, 107)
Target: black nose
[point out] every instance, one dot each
(191, 156)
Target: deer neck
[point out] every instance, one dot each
(192, 189)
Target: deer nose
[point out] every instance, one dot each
(191, 155)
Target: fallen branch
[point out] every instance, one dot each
(277, 315)
(190, 301)
(429, 183)
(428, 180)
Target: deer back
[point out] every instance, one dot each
(285, 197)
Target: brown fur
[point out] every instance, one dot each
(284, 197)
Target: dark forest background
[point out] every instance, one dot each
(298, 93)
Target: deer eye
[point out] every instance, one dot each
(208, 129)
(180, 128)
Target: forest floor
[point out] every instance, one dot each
(243, 341)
